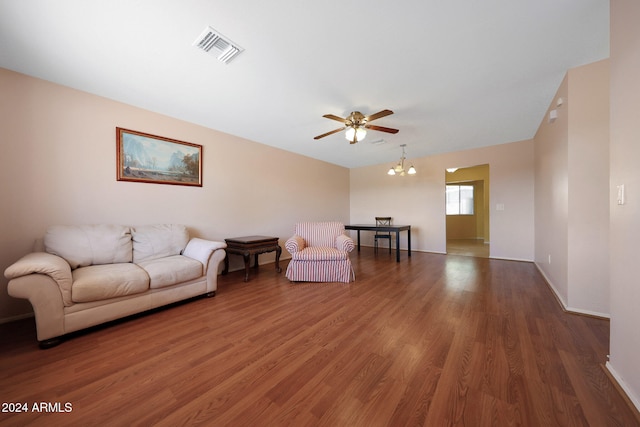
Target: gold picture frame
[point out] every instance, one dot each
(142, 157)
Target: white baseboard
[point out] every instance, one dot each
(426, 252)
(561, 300)
(588, 312)
(633, 399)
(566, 307)
(511, 259)
(393, 248)
(15, 318)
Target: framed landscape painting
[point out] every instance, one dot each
(142, 157)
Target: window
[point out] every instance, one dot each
(459, 199)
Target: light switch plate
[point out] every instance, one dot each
(621, 194)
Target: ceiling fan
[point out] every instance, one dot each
(356, 125)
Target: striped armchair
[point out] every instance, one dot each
(320, 253)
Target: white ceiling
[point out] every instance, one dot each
(457, 73)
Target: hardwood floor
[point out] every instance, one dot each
(468, 247)
(434, 340)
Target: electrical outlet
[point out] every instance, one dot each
(549, 258)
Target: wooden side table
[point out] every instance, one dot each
(251, 245)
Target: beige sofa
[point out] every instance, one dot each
(90, 274)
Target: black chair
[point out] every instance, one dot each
(382, 220)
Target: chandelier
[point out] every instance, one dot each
(399, 168)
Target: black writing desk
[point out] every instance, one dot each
(391, 228)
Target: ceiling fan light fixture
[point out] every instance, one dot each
(358, 132)
(356, 125)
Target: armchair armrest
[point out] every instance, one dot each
(44, 263)
(201, 250)
(344, 243)
(295, 244)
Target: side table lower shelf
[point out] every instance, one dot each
(251, 245)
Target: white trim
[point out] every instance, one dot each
(633, 399)
(566, 307)
(15, 318)
(393, 248)
(588, 312)
(423, 251)
(445, 253)
(510, 259)
(563, 303)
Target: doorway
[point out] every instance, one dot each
(467, 211)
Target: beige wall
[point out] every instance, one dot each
(588, 216)
(571, 157)
(625, 219)
(57, 166)
(462, 226)
(419, 200)
(475, 226)
(551, 196)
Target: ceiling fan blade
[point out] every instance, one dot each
(381, 128)
(334, 117)
(379, 114)
(329, 133)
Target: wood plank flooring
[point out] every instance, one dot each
(469, 247)
(435, 340)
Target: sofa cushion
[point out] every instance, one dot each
(83, 245)
(171, 270)
(158, 241)
(98, 282)
(319, 253)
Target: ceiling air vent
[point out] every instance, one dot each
(211, 41)
(377, 141)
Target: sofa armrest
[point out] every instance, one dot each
(46, 300)
(44, 263)
(344, 243)
(213, 269)
(201, 250)
(295, 244)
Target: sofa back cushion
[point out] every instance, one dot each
(320, 233)
(84, 245)
(158, 241)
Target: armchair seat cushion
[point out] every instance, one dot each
(319, 253)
